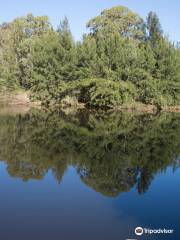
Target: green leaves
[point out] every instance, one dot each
(112, 151)
(155, 32)
(118, 19)
(122, 60)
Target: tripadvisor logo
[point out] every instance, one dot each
(140, 231)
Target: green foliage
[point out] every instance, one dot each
(154, 28)
(150, 93)
(122, 60)
(112, 152)
(15, 38)
(98, 93)
(118, 19)
(109, 94)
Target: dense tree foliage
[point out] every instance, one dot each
(111, 151)
(122, 60)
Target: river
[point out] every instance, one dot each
(88, 175)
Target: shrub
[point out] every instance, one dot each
(102, 93)
(69, 102)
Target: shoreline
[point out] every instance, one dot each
(19, 98)
(22, 99)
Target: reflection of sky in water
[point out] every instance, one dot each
(71, 210)
(157, 208)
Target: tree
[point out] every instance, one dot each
(69, 51)
(54, 60)
(118, 19)
(15, 52)
(154, 28)
(133, 60)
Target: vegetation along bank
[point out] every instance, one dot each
(123, 61)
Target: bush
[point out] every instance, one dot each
(69, 102)
(159, 93)
(100, 93)
(104, 94)
(149, 92)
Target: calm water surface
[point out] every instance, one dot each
(91, 176)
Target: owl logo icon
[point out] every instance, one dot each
(139, 231)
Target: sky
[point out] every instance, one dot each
(80, 11)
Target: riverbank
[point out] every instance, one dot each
(21, 99)
(140, 107)
(18, 98)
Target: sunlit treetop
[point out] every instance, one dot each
(118, 19)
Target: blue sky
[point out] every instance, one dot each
(80, 11)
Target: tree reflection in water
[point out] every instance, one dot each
(111, 151)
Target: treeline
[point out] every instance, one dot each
(122, 60)
(111, 151)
